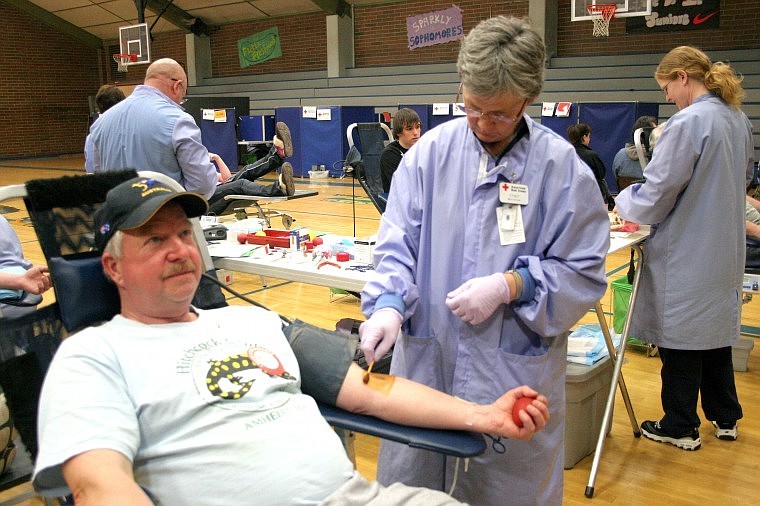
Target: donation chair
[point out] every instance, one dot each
(27, 345)
(643, 149)
(641, 141)
(29, 337)
(239, 204)
(373, 137)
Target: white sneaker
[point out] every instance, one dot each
(726, 434)
(688, 441)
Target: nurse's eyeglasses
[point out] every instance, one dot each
(494, 116)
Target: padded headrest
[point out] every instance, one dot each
(85, 296)
(353, 156)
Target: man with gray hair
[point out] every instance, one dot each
(492, 246)
(151, 131)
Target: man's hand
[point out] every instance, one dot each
(477, 299)
(224, 172)
(379, 333)
(36, 280)
(534, 416)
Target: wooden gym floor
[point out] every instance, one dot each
(631, 472)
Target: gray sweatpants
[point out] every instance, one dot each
(358, 491)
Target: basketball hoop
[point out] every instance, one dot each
(123, 61)
(601, 14)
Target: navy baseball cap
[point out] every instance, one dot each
(132, 203)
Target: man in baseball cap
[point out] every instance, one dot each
(149, 250)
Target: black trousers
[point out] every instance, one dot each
(244, 183)
(688, 373)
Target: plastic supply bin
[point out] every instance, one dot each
(586, 390)
(740, 353)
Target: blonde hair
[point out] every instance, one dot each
(717, 77)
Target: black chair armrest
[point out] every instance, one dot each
(455, 443)
(26, 300)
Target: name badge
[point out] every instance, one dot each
(513, 193)
(509, 218)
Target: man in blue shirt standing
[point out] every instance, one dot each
(151, 131)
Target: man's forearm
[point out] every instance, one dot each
(753, 230)
(11, 281)
(410, 403)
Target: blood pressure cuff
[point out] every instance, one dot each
(324, 357)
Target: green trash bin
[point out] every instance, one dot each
(621, 297)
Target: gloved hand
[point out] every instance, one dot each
(477, 299)
(379, 333)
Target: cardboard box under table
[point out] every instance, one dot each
(586, 390)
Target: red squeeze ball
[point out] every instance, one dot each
(317, 241)
(242, 237)
(521, 403)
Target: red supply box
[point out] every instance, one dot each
(272, 237)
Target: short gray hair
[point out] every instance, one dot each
(502, 55)
(114, 248)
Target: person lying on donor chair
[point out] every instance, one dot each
(209, 407)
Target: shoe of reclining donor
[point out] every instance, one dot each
(689, 440)
(282, 140)
(287, 185)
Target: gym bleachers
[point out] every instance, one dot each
(568, 79)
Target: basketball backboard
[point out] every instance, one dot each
(625, 8)
(135, 39)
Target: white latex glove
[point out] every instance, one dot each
(475, 300)
(379, 333)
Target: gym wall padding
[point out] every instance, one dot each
(610, 123)
(321, 142)
(221, 138)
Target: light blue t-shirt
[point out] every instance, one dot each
(210, 412)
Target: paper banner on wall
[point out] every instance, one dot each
(324, 114)
(309, 111)
(563, 109)
(547, 109)
(457, 109)
(259, 47)
(440, 109)
(436, 27)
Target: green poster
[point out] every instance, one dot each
(259, 47)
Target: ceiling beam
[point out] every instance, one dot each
(339, 7)
(59, 24)
(178, 17)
